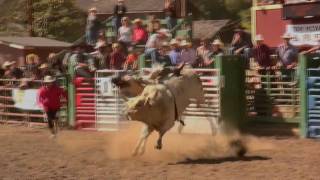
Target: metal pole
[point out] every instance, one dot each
(30, 17)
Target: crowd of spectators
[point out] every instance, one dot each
(155, 40)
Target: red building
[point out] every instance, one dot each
(300, 18)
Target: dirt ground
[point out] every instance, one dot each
(29, 153)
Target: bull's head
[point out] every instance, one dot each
(139, 107)
(129, 86)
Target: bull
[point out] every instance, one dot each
(160, 105)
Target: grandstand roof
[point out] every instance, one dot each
(207, 28)
(106, 6)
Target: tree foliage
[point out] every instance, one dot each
(223, 9)
(57, 19)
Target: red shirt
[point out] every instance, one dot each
(50, 97)
(140, 35)
(117, 60)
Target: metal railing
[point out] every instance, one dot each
(272, 95)
(9, 113)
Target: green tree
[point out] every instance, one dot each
(58, 19)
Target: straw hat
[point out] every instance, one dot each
(24, 83)
(32, 58)
(286, 36)
(217, 42)
(44, 66)
(49, 79)
(185, 43)
(174, 42)
(165, 44)
(138, 20)
(100, 44)
(165, 32)
(93, 9)
(115, 45)
(259, 37)
(7, 64)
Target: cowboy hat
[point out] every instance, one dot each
(137, 20)
(286, 36)
(24, 83)
(44, 66)
(7, 64)
(93, 9)
(174, 42)
(165, 32)
(259, 37)
(49, 79)
(165, 44)
(115, 45)
(100, 44)
(217, 42)
(185, 43)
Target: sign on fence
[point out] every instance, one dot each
(105, 86)
(25, 99)
(304, 34)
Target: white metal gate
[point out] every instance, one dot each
(109, 105)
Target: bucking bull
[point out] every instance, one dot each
(159, 100)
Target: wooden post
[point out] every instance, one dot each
(30, 17)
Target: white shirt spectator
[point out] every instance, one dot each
(125, 34)
(153, 42)
(189, 56)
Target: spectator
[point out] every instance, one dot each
(93, 27)
(175, 53)
(117, 57)
(154, 26)
(171, 18)
(125, 33)
(241, 43)
(287, 53)
(44, 71)
(188, 54)
(49, 97)
(154, 43)
(82, 68)
(163, 56)
(217, 50)
(140, 35)
(101, 57)
(132, 60)
(32, 63)
(261, 53)
(204, 52)
(119, 12)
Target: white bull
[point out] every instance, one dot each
(160, 105)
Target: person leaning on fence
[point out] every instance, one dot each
(188, 54)
(44, 71)
(204, 51)
(49, 97)
(261, 53)
(32, 64)
(217, 50)
(241, 43)
(287, 53)
(101, 57)
(11, 71)
(117, 57)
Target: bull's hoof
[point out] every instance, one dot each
(158, 147)
(182, 123)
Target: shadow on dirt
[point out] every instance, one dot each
(222, 160)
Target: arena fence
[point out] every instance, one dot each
(272, 95)
(19, 105)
